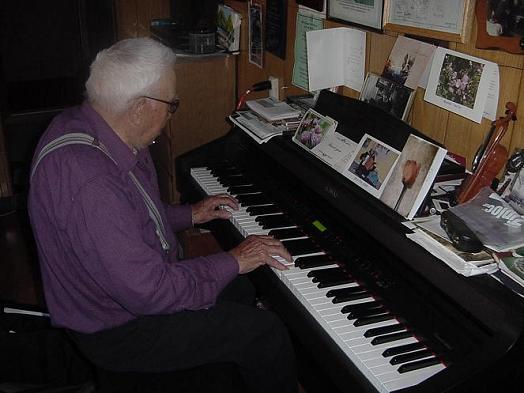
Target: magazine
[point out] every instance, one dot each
(513, 267)
(497, 225)
(413, 176)
(260, 129)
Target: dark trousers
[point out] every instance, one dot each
(253, 339)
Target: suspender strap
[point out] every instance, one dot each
(78, 138)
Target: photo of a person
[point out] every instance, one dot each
(505, 18)
(372, 164)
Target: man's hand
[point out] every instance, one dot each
(257, 250)
(210, 208)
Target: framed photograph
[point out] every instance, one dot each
(500, 25)
(367, 13)
(443, 20)
(389, 96)
(459, 83)
(372, 165)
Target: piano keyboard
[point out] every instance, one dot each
(380, 344)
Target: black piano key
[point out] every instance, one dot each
(374, 319)
(366, 313)
(387, 338)
(326, 272)
(239, 190)
(408, 357)
(301, 246)
(360, 306)
(287, 233)
(335, 281)
(253, 200)
(314, 261)
(230, 181)
(330, 276)
(266, 209)
(274, 221)
(383, 330)
(350, 298)
(225, 171)
(403, 349)
(345, 291)
(418, 365)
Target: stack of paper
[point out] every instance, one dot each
(428, 234)
(272, 110)
(258, 128)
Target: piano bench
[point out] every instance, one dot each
(217, 378)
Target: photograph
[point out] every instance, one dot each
(407, 61)
(389, 96)
(500, 25)
(313, 129)
(367, 13)
(413, 176)
(371, 165)
(459, 80)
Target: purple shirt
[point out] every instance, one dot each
(102, 263)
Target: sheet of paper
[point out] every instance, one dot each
(328, 65)
(459, 83)
(492, 100)
(334, 148)
(305, 23)
(311, 12)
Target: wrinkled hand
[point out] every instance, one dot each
(210, 208)
(256, 251)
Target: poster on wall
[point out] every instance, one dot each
(256, 42)
(276, 21)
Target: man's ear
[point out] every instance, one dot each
(137, 111)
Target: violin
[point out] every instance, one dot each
(490, 159)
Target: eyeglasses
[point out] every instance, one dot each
(172, 105)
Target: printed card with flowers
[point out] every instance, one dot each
(314, 132)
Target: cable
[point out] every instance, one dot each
(259, 86)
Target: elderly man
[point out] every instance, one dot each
(107, 246)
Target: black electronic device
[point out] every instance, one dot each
(461, 236)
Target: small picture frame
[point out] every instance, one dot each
(446, 20)
(500, 25)
(366, 13)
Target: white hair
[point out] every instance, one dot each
(127, 70)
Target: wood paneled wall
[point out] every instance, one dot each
(458, 134)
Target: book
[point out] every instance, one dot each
(413, 176)
(496, 224)
(272, 110)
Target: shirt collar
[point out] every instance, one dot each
(124, 157)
